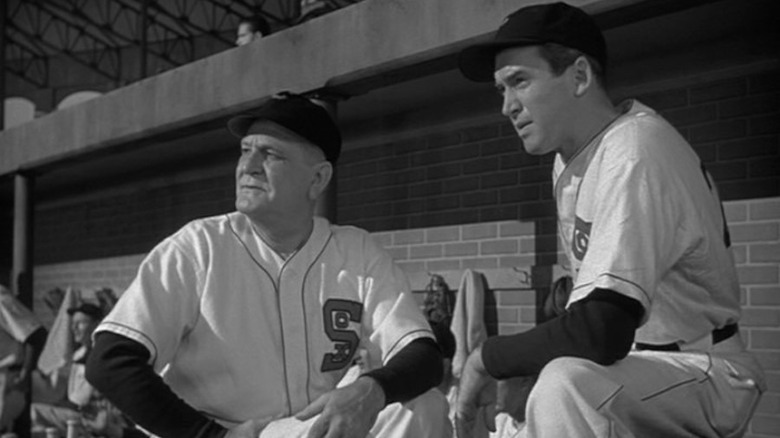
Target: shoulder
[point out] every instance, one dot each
(642, 136)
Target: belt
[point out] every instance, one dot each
(718, 335)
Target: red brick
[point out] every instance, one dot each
(769, 252)
(440, 139)
(462, 184)
(442, 234)
(500, 146)
(755, 232)
(511, 329)
(516, 228)
(480, 263)
(443, 171)
(764, 167)
(665, 99)
(728, 171)
(482, 165)
(498, 179)
(765, 82)
(752, 105)
(461, 249)
(749, 189)
(765, 209)
(748, 148)
(764, 318)
(492, 247)
(769, 360)
(765, 424)
(425, 189)
(516, 298)
(769, 404)
(442, 265)
(411, 266)
(481, 198)
(691, 115)
(479, 231)
(764, 295)
(721, 130)
(760, 125)
(501, 213)
(513, 261)
(445, 202)
(480, 133)
(528, 314)
(408, 237)
(384, 239)
(519, 194)
(719, 90)
(765, 339)
(399, 252)
(407, 207)
(392, 164)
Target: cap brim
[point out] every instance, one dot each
(478, 62)
(239, 125)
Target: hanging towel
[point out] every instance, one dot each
(468, 323)
(58, 351)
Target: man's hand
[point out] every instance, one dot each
(248, 429)
(476, 396)
(347, 412)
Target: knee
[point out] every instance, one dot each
(560, 380)
(430, 404)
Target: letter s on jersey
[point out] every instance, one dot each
(336, 316)
(579, 242)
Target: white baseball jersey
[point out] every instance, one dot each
(639, 215)
(239, 333)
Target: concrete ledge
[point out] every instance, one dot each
(354, 44)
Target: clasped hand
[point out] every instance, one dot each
(476, 396)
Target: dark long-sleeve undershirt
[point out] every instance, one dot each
(600, 328)
(119, 368)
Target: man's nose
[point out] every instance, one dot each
(511, 106)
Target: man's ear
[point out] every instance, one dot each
(323, 172)
(583, 76)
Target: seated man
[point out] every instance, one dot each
(253, 317)
(84, 403)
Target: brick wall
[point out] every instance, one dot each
(480, 173)
(503, 252)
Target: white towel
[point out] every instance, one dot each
(58, 351)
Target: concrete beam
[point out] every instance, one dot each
(349, 46)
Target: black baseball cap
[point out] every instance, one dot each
(88, 309)
(535, 25)
(297, 114)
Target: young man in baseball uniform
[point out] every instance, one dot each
(649, 345)
(252, 318)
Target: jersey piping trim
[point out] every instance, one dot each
(246, 248)
(391, 351)
(132, 333)
(616, 277)
(305, 321)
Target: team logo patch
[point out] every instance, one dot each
(337, 315)
(579, 243)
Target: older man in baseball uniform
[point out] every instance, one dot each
(253, 318)
(649, 345)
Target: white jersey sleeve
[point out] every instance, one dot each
(161, 302)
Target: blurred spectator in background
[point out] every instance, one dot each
(21, 340)
(84, 403)
(250, 29)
